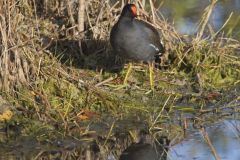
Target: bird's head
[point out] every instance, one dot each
(129, 10)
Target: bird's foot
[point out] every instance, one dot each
(151, 91)
(118, 87)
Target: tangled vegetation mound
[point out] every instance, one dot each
(60, 74)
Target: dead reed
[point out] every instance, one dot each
(56, 68)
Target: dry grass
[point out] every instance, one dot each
(60, 77)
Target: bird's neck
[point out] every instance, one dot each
(126, 19)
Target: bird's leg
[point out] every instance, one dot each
(151, 72)
(128, 73)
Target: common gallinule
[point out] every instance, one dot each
(135, 40)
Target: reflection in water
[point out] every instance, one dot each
(140, 151)
(224, 136)
(187, 13)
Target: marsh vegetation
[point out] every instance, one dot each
(59, 79)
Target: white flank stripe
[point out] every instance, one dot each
(154, 47)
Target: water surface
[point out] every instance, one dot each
(224, 136)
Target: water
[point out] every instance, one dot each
(224, 136)
(186, 15)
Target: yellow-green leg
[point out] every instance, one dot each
(151, 74)
(128, 73)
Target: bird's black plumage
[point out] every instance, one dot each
(135, 39)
